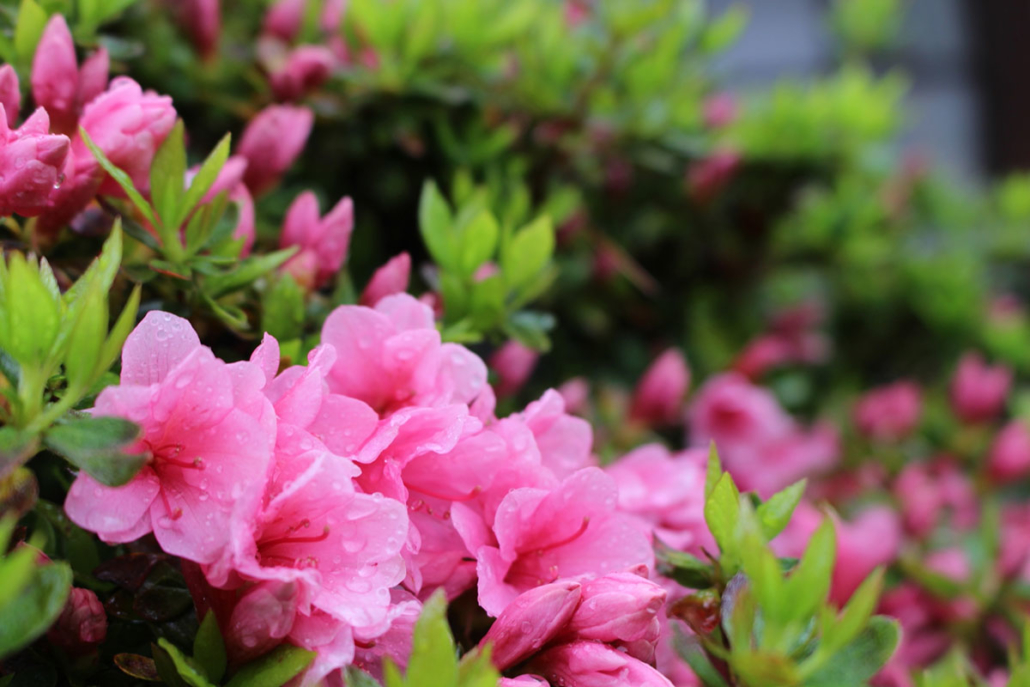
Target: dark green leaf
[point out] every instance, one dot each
(246, 272)
(96, 444)
(16, 447)
(358, 678)
(140, 667)
(689, 649)
(167, 176)
(682, 567)
(122, 179)
(861, 659)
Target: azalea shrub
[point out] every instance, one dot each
(495, 344)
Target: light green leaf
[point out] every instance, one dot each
(722, 510)
(206, 176)
(122, 327)
(167, 176)
(274, 669)
(436, 224)
(209, 648)
(862, 658)
(188, 670)
(774, 514)
(32, 21)
(123, 180)
(30, 613)
(809, 584)
(433, 661)
(246, 272)
(478, 242)
(526, 255)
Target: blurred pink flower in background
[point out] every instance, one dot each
(978, 391)
(1009, 455)
(10, 94)
(513, 362)
(658, 398)
(202, 20)
(391, 278)
(57, 82)
(889, 413)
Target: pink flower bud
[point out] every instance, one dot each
(513, 364)
(389, 279)
(332, 15)
(576, 394)
(93, 77)
(621, 607)
(128, 125)
(284, 18)
(271, 142)
(82, 624)
(82, 177)
(889, 413)
(304, 70)
(530, 621)
(1009, 457)
(720, 110)
(10, 93)
(978, 391)
(323, 242)
(708, 177)
(590, 664)
(30, 164)
(202, 20)
(55, 75)
(659, 395)
(261, 618)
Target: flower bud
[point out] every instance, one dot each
(82, 624)
(10, 93)
(323, 242)
(1009, 457)
(658, 399)
(978, 391)
(128, 125)
(202, 20)
(31, 160)
(708, 177)
(513, 363)
(305, 69)
(55, 75)
(284, 18)
(261, 618)
(889, 413)
(720, 110)
(271, 142)
(576, 394)
(590, 664)
(621, 607)
(530, 621)
(389, 279)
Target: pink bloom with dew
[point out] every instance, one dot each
(272, 141)
(323, 241)
(31, 160)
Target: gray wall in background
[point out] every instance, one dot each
(792, 39)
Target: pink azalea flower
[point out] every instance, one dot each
(546, 535)
(889, 413)
(271, 142)
(523, 681)
(576, 394)
(283, 19)
(590, 664)
(658, 398)
(323, 241)
(82, 177)
(665, 492)
(928, 491)
(10, 93)
(395, 644)
(128, 125)
(620, 609)
(513, 364)
(1009, 455)
(207, 433)
(389, 279)
(564, 441)
(978, 391)
(707, 178)
(31, 160)
(720, 110)
(391, 357)
(57, 82)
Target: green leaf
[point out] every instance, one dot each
(530, 329)
(206, 176)
(86, 340)
(282, 309)
(526, 255)
(33, 316)
(10, 368)
(95, 444)
(436, 224)
(358, 678)
(689, 649)
(840, 630)
(209, 648)
(126, 321)
(29, 614)
(167, 176)
(188, 670)
(123, 180)
(713, 472)
(71, 542)
(809, 584)
(246, 272)
(166, 668)
(433, 662)
(774, 514)
(722, 510)
(139, 667)
(722, 32)
(274, 669)
(476, 670)
(857, 662)
(478, 242)
(32, 21)
(16, 568)
(683, 567)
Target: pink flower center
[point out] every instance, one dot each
(290, 537)
(529, 569)
(168, 455)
